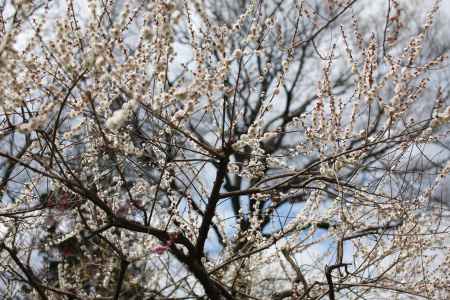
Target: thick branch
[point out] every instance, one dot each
(211, 206)
(123, 268)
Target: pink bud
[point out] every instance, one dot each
(160, 249)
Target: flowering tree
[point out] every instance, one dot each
(223, 150)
